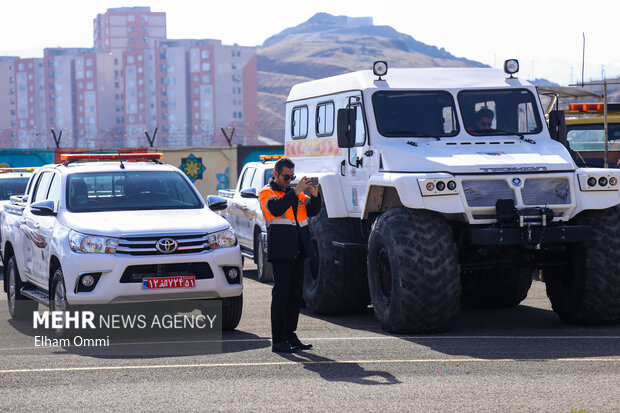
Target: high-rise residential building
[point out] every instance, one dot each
(204, 87)
(22, 96)
(133, 80)
(8, 101)
(127, 28)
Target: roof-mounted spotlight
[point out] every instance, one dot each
(379, 68)
(511, 66)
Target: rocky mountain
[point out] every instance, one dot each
(328, 45)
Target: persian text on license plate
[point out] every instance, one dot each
(169, 282)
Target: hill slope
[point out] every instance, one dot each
(327, 45)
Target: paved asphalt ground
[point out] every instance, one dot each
(509, 360)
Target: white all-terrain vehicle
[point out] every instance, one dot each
(444, 187)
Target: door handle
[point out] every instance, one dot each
(36, 225)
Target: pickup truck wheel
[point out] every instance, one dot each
(58, 298)
(504, 284)
(232, 307)
(586, 290)
(413, 272)
(263, 267)
(335, 280)
(20, 307)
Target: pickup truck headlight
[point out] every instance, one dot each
(91, 243)
(222, 239)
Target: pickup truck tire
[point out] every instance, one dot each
(501, 287)
(264, 268)
(58, 299)
(335, 280)
(587, 289)
(232, 307)
(413, 272)
(20, 307)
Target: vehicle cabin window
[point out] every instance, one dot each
(257, 181)
(268, 174)
(123, 191)
(12, 186)
(42, 188)
(500, 112)
(246, 179)
(425, 114)
(299, 122)
(591, 137)
(54, 192)
(325, 119)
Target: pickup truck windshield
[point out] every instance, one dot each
(120, 191)
(499, 111)
(12, 186)
(415, 114)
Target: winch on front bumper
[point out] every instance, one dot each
(527, 226)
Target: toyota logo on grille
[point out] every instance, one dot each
(167, 245)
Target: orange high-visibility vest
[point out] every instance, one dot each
(288, 218)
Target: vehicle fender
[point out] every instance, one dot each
(586, 200)
(406, 192)
(331, 189)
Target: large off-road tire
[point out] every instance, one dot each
(264, 268)
(20, 307)
(335, 280)
(413, 272)
(504, 283)
(232, 308)
(586, 290)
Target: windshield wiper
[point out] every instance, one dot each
(410, 134)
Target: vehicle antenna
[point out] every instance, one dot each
(120, 159)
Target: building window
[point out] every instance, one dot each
(206, 67)
(205, 54)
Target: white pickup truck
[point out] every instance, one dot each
(90, 233)
(245, 215)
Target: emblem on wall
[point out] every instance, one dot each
(192, 167)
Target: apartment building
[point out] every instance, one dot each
(133, 80)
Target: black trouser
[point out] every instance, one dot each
(288, 277)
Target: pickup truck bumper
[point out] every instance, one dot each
(119, 276)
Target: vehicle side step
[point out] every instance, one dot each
(35, 294)
(339, 244)
(247, 253)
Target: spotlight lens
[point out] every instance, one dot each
(451, 185)
(511, 66)
(88, 280)
(380, 68)
(602, 181)
(613, 181)
(591, 181)
(430, 186)
(441, 186)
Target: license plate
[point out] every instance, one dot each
(169, 282)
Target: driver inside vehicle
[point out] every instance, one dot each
(483, 121)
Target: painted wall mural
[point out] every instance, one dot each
(192, 167)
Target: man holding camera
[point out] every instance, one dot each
(289, 242)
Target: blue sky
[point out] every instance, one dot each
(545, 35)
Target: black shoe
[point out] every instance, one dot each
(283, 347)
(295, 342)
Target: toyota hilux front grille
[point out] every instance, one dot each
(163, 244)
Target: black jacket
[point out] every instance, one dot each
(287, 241)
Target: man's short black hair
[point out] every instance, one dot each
(485, 113)
(284, 163)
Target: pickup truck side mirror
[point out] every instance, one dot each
(45, 208)
(248, 193)
(217, 203)
(346, 128)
